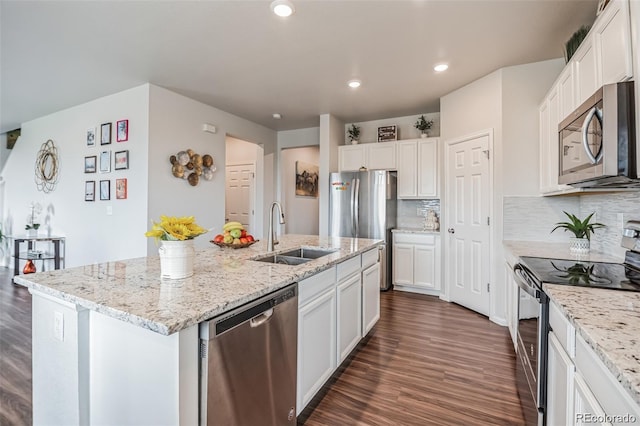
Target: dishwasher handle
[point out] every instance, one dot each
(257, 321)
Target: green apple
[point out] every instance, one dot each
(228, 239)
(235, 233)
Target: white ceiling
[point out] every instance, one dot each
(239, 57)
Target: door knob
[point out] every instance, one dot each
(451, 231)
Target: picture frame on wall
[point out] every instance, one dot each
(90, 190)
(105, 190)
(121, 160)
(307, 179)
(121, 189)
(91, 136)
(105, 161)
(90, 164)
(105, 134)
(122, 129)
(387, 133)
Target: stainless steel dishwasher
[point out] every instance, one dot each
(248, 361)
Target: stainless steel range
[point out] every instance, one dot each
(533, 310)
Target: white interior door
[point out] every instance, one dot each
(239, 194)
(467, 220)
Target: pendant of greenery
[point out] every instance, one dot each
(580, 228)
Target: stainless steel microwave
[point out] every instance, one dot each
(598, 140)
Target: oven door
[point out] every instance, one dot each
(531, 351)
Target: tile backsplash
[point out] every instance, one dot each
(411, 213)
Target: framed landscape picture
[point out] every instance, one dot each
(90, 164)
(121, 160)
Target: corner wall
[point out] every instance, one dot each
(92, 235)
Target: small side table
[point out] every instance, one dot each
(32, 254)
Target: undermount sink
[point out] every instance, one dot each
(296, 257)
(280, 259)
(308, 253)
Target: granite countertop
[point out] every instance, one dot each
(608, 320)
(132, 290)
(415, 231)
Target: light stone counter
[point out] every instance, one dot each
(414, 231)
(609, 321)
(132, 291)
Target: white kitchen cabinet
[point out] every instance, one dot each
(586, 70)
(549, 141)
(351, 157)
(560, 402)
(612, 37)
(586, 405)
(316, 345)
(349, 312)
(418, 168)
(416, 262)
(370, 297)
(372, 156)
(512, 303)
(566, 91)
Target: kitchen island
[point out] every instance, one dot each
(115, 344)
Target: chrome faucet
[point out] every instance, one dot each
(272, 241)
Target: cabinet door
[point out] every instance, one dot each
(370, 297)
(512, 303)
(382, 156)
(351, 157)
(587, 81)
(586, 405)
(427, 168)
(424, 267)
(403, 264)
(407, 169)
(613, 42)
(349, 313)
(566, 92)
(559, 384)
(316, 345)
(544, 123)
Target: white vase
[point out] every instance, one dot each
(354, 142)
(31, 233)
(424, 135)
(579, 245)
(176, 259)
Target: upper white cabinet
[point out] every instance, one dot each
(585, 67)
(418, 168)
(549, 145)
(373, 156)
(566, 93)
(612, 40)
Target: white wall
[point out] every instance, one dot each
(369, 129)
(505, 101)
(331, 136)
(91, 234)
(176, 124)
(301, 213)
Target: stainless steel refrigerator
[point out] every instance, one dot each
(363, 205)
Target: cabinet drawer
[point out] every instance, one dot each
(369, 258)
(348, 267)
(312, 286)
(610, 394)
(564, 331)
(399, 237)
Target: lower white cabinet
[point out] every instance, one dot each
(336, 308)
(370, 297)
(587, 407)
(316, 345)
(416, 262)
(349, 312)
(559, 384)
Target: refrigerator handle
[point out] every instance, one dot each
(353, 207)
(357, 207)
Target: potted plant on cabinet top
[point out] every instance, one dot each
(423, 125)
(354, 134)
(582, 230)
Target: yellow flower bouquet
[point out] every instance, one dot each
(172, 228)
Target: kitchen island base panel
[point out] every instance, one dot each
(107, 371)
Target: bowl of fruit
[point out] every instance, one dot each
(234, 235)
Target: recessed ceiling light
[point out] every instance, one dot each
(277, 116)
(354, 84)
(282, 8)
(441, 67)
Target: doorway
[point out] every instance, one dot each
(467, 243)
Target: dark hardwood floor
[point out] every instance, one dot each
(15, 352)
(427, 362)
